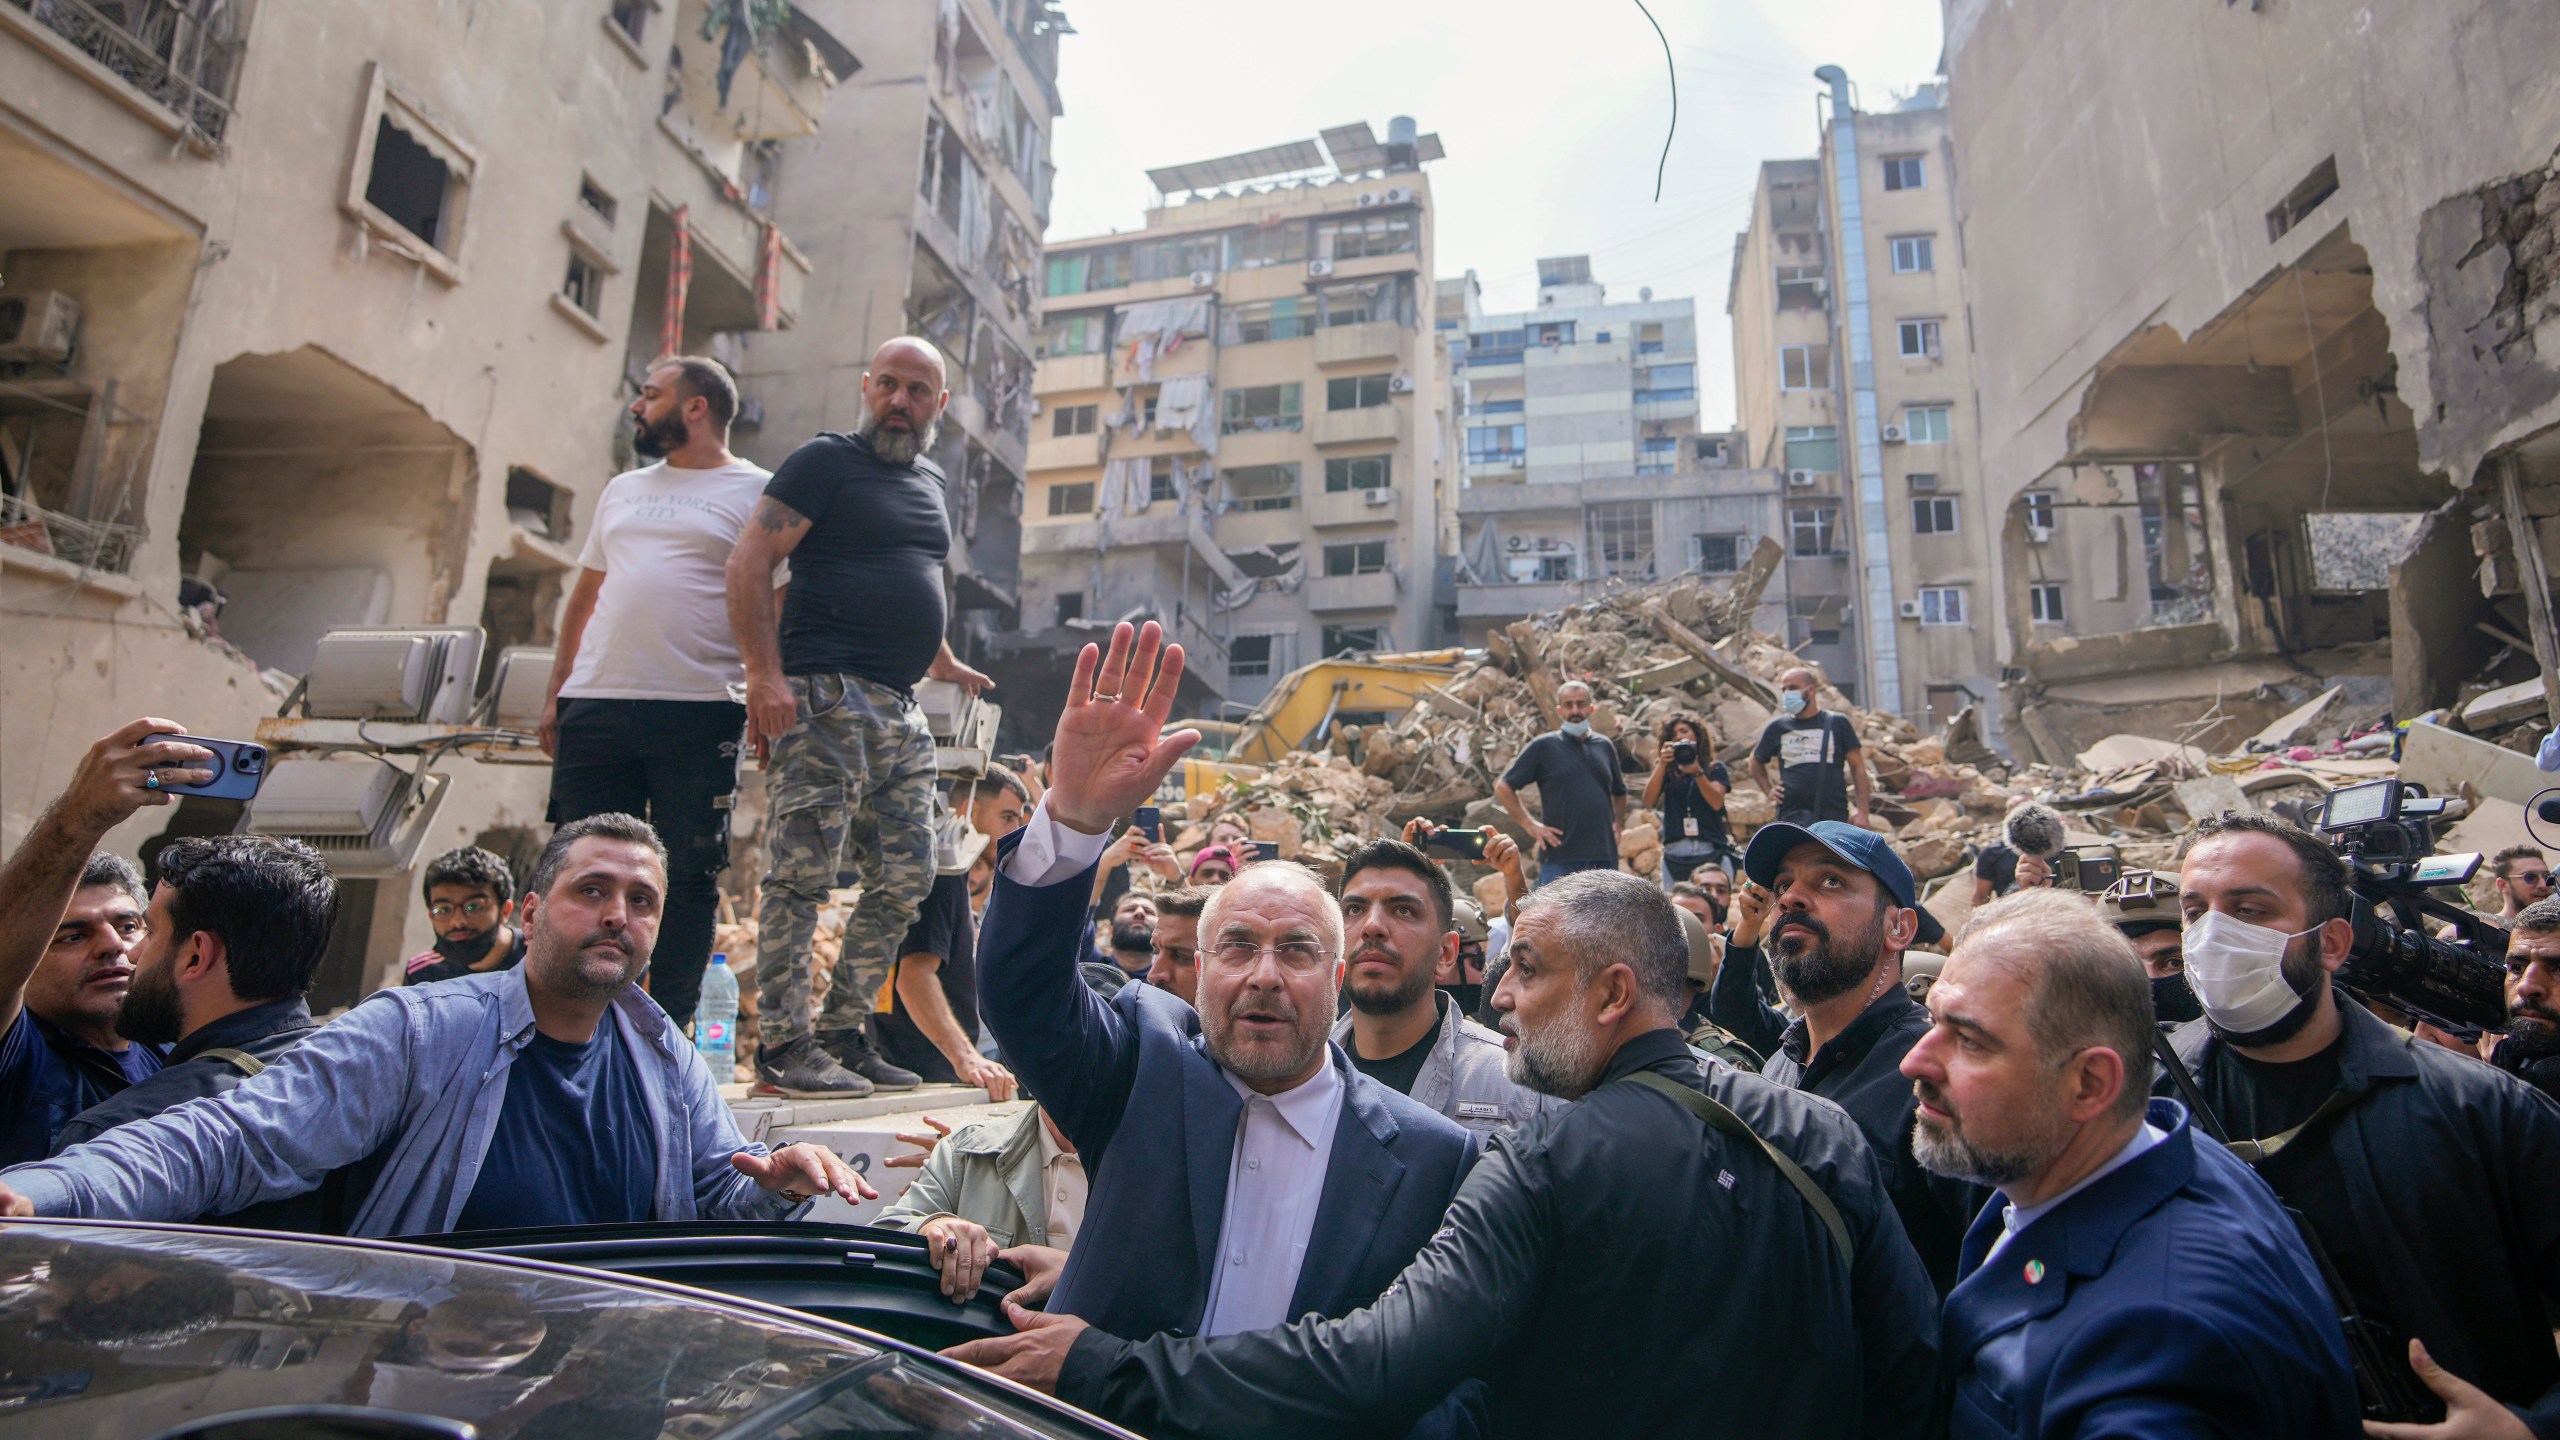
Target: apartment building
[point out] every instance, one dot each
(1242, 421)
(2256, 289)
(920, 204)
(1585, 468)
(1854, 378)
(330, 310)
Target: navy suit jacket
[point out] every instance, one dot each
(2171, 1298)
(1130, 1081)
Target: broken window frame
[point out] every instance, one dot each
(1621, 538)
(1340, 640)
(1718, 553)
(1804, 287)
(1069, 605)
(1261, 487)
(1356, 557)
(1387, 299)
(1069, 498)
(1250, 654)
(1346, 473)
(1933, 515)
(1942, 606)
(389, 104)
(583, 286)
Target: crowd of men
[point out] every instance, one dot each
(1748, 1146)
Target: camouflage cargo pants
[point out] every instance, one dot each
(855, 778)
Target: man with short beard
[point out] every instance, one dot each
(2135, 1281)
(2530, 1048)
(1840, 908)
(1242, 1172)
(639, 719)
(1403, 1032)
(555, 1093)
(470, 897)
(1687, 1250)
(831, 705)
(2426, 1176)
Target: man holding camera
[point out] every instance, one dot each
(2426, 1178)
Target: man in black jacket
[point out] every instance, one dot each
(1840, 907)
(2428, 1177)
(234, 934)
(1618, 1268)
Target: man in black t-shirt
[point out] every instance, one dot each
(1580, 792)
(1817, 751)
(831, 707)
(929, 1019)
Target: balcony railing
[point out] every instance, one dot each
(182, 53)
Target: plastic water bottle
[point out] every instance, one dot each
(715, 1021)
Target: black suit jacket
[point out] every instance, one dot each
(1130, 1081)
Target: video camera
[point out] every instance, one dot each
(2385, 829)
(2089, 869)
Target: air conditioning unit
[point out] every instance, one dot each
(1378, 495)
(1368, 198)
(1924, 482)
(366, 817)
(1800, 479)
(1892, 435)
(517, 687)
(1910, 609)
(1319, 268)
(1399, 384)
(1204, 279)
(1519, 462)
(1399, 196)
(2039, 534)
(418, 674)
(38, 327)
(1516, 542)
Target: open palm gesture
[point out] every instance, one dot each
(1111, 751)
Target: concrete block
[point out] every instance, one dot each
(2503, 706)
(2211, 795)
(2446, 760)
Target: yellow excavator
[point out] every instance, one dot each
(1306, 707)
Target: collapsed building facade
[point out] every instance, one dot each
(2262, 314)
(317, 316)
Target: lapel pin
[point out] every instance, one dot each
(2035, 1272)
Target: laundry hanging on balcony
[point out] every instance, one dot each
(1182, 403)
(1157, 328)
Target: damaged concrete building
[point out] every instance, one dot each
(319, 315)
(1585, 468)
(2262, 312)
(1244, 429)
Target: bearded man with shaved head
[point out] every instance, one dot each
(831, 706)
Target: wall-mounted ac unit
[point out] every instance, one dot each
(1368, 198)
(1378, 495)
(38, 327)
(1800, 479)
(1910, 609)
(2039, 534)
(1319, 268)
(1924, 482)
(1399, 195)
(419, 674)
(1892, 435)
(1399, 384)
(1516, 542)
(1204, 279)
(1519, 462)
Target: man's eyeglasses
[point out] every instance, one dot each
(1294, 955)
(2531, 877)
(469, 909)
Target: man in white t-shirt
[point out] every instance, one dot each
(640, 718)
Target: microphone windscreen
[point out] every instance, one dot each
(2035, 830)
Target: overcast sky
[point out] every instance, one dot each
(1553, 117)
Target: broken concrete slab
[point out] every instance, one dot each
(2503, 706)
(2210, 795)
(2118, 751)
(2492, 826)
(2294, 724)
(2446, 760)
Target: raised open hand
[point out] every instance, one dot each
(1111, 749)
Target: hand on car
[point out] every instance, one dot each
(961, 1250)
(1032, 1357)
(804, 1171)
(924, 1144)
(1041, 1265)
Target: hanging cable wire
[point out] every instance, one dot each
(1674, 70)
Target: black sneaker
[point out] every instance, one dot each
(852, 1048)
(804, 1069)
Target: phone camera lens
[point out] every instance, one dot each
(250, 761)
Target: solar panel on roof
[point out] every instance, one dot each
(1289, 159)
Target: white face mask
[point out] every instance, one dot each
(2237, 971)
(1576, 728)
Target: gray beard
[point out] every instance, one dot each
(896, 447)
(1943, 1150)
(1565, 1065)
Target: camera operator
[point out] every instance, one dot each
(1689, 783)
(2426, 1178)
(2530, 1049)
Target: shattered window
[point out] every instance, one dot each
(1261, 487)
(2355, 550)
(1622, 537)
(409, 183)
(1353, 640)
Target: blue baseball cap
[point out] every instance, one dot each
(1855, 845)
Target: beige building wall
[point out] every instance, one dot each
(1188, 562)
(286, 389)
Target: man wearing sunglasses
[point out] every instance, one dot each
(2522, 877)
(470, 900)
